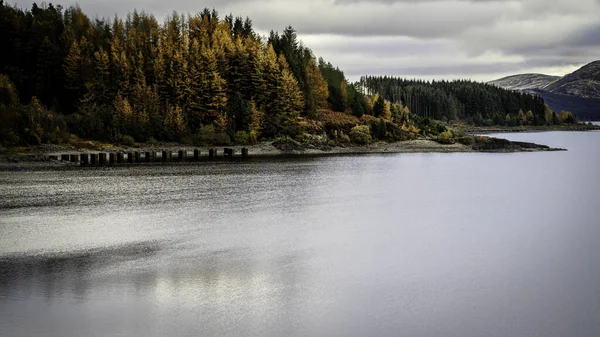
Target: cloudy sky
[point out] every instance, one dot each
(429, 39)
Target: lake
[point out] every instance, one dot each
(466, 244)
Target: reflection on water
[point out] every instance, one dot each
(414, 245)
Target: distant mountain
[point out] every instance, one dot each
(525, 82)
(578, 92)
(585, 82)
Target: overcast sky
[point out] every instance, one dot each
(430, 39)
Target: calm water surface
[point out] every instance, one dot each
(381, 245)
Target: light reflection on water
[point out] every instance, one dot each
(416, 245)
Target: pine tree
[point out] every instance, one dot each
(123, 115)
(379, 107)
(98, 87)
(174, 122)
(120, 71)
(316, 90)
(73, 68)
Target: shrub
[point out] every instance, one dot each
(445, 137)
(245, 138)
(222, 138)
(466, 140)
(361, 134)
(127, 140)
(291, 130)
(205, 135)
(152, 141)
(311, 126)
(343, 138)
(287, 144)
(340, 121)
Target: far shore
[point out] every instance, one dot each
(515, 129)
(40, 156)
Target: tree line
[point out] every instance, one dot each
(192, 76)
(474, 102)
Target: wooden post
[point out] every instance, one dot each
(164, 156)
(120, 158)
(148, 157)
(244, 152)
(196, 155)
(130, 157)
(64, 157)
(212, 153)
(85, 159)
(137, 156)
(182, 154)
(111, 158)
(102, 158)
(93, 159)
(228, 152)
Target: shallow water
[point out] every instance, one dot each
(463, 244)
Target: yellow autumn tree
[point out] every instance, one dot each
(387, 112)
(317, 92)
(174, 122)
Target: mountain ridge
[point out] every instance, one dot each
(578, 92)
(525, 81)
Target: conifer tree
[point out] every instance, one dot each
(316, 88)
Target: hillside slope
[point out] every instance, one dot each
(578, 92)
(525, 81)
(584, 82)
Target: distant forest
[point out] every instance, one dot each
(204, 79)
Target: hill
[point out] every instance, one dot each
(584, 82)
(525, 81)
(578, 92)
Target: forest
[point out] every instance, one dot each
(206, 79)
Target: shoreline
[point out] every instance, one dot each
(530, 129)
(41, 156)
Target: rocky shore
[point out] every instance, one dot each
(42, 156)
(500, 129)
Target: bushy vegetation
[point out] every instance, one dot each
(446, 137)
(361, 134)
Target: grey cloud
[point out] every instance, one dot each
(345, 2)
(427, 71)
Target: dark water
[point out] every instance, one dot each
(382, 245)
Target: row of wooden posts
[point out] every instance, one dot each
(112, 158)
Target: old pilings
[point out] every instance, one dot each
(118, 158)
(102, 158)
(93, 159)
